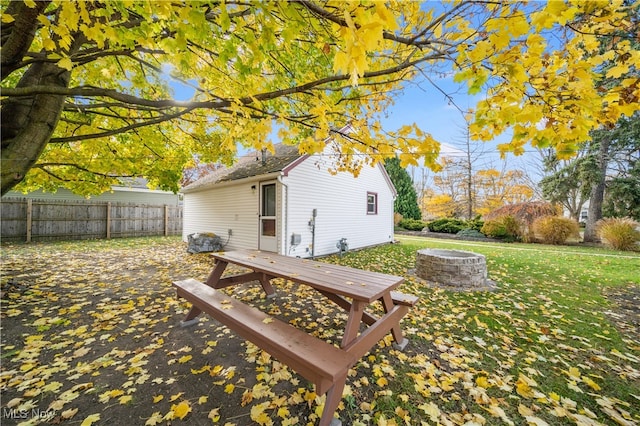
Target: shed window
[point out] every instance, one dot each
(372, 203)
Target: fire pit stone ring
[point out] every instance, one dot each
(453, 269)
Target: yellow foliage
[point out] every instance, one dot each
(306, 69)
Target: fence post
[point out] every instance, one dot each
(29, 218)
(109, 220)
(166, 220)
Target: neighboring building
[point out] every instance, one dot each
(584, 212)
(291, 204)
(134, 191)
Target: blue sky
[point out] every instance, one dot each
(430, 109)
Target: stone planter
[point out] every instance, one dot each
(453, 269)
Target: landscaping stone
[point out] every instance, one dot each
(203, 242)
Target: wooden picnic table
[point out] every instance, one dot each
(353, 290)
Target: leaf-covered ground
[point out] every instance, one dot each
(91, 335)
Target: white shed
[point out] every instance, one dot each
(291, 204)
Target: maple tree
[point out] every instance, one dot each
(86, 96)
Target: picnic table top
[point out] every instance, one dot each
(350, 282)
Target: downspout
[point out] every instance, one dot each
(313, 233)
(286, 213)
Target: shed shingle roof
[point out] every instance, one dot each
(252, 164)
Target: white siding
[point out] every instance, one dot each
(341, 203)
(340, 200)
(217, 210)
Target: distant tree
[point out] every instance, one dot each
(439, 205)
(568, 182)
(490, 189)
(616, 152)
(622, 194)
(407, 202)
(450, 181)
(496, 188)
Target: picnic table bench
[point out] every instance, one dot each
(318, 361)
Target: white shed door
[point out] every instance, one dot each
(268, 223)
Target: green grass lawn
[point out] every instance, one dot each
(89, 333)
(541, 348)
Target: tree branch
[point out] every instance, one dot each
(319, 11)
(18, 35)
(91, 92)
(124, 129)
(43, 167)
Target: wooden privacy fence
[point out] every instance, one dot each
(40, 220)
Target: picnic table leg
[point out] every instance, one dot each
(353, 323)
(266, 286)
(334, 395)
(400, 341)
(212, 281)
(216, 273)
(367, 318)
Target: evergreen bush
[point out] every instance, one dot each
(470, 233)
(412, 224)
(447, 225)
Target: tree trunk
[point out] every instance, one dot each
(29, 122)
(597, 193)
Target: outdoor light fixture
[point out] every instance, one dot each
(253, 189)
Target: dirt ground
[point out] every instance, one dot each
(98, 333)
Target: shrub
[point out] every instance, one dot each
(524, 214)
(470, 233)
(619, 233)
(475, 223)
(412, 224)
(447, 225)
(555, 229)
(505, 227)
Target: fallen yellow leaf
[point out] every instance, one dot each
(125, 399)
(67, 414)
(155, 419)
(214, 415)
(181, 410)
(89, 420)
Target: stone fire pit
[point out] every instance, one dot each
(453, 269)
